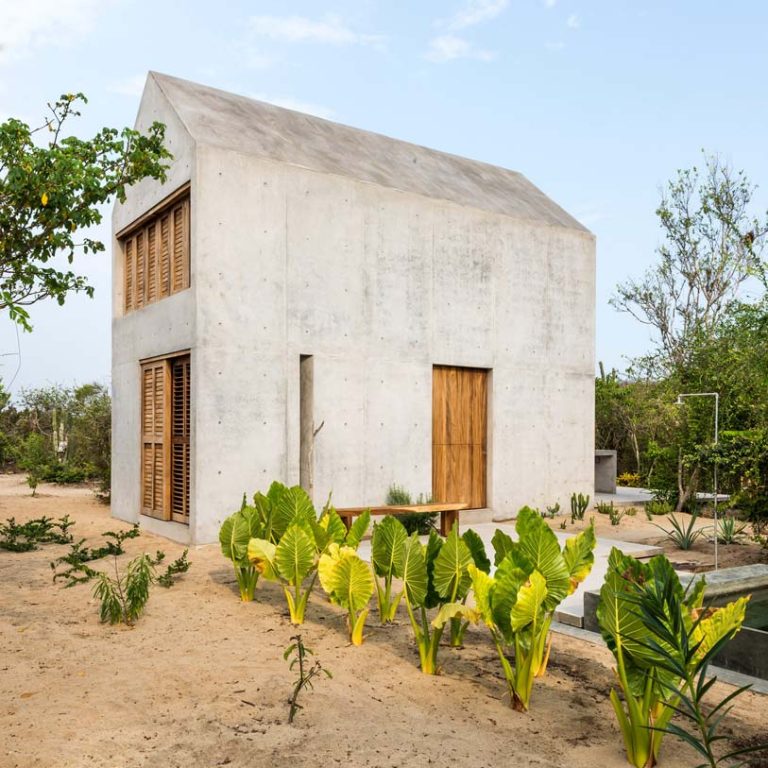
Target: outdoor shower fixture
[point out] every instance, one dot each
(716, 395)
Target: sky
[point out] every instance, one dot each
(597, 102)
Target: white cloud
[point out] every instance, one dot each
(574, 22)
(554, 46)
(475, 12)
(26, 25)
(550, 3)
(129, 86)
(298, 29)
(449, 47)
(296, 104)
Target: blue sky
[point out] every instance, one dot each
(598, 102)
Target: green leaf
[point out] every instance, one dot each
(529, 610)
(413, 570)
(502, 543)
(358, 529)
(386, 546)
(450, 571)
(234, 536)
(477, 550)
(261, 554)
(295, 554)
(539, 544)
(346, 578)
(293, 506)
(579, 556)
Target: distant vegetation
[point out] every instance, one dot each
(58, 434)
(711, 335)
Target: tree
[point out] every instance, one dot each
(49, 192)
(713, 245)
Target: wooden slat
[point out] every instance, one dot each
(129, 273)
(152, 267)
(165, 256)
(141, 272)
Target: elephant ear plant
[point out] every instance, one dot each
(235, 533)
(662, 639)
(533, 576)
(386, 557)
(290, 553)
(433, 574)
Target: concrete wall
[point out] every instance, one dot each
(158, 329)
(378, 285)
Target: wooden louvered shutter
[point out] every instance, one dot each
(180, 253)
(180, 413)
(155, 429)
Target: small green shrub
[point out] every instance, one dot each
(124, 597)
(628, 480)
(657, 508)
(729, 529)
(26, 537)
(415, 522)
(604, 508)
(34, 457)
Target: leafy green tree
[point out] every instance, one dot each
(713, 245)
(51, 190)
(35, 458)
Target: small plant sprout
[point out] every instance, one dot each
(124, 597)
(579, 505)
(307, 672)
(682, 535)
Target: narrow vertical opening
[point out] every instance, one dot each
(306, 423)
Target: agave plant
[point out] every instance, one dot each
(533, 575)
(386, 550)
(683, 535)
(650, 684)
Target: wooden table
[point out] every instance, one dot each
(449, 512)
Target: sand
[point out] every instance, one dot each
(201, 681)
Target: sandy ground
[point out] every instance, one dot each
(200, 680)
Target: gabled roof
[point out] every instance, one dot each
(218, 118)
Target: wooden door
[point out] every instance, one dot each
(459, 435)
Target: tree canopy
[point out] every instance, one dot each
(50, 190)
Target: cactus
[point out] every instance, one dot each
(579, 504)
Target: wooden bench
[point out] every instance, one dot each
(449, 512)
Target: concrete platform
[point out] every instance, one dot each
(571, 610)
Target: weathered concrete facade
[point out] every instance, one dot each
(378, 276)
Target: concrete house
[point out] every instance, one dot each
(313, 303)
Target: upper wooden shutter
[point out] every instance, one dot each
(180, 410)
(155, 428)
(156, 255)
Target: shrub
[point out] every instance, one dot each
(414, 522)
(628, 480)
(637, 601)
